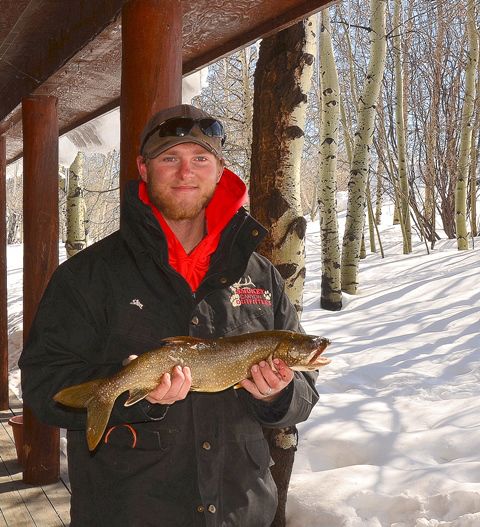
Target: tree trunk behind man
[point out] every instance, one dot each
(282, 81)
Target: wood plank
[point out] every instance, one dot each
(12, 506)
(23, 505)
(59, 497)
(27, 504)
(8, 454)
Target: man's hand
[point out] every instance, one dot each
(171, 388)
(266, 383)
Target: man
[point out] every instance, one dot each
(182, 263)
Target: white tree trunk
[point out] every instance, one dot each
(361, 156)
(466, 134)
(76, 232)
(400, 128)
(331, 294)
(282, 83)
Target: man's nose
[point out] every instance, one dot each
(185, 168)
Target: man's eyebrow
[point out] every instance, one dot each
(196, 152)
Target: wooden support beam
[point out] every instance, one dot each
(151, 71)
(40, 259)
(3, 279)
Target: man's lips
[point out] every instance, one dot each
(184, 188)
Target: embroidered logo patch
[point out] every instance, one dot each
(136, 302)
(245, 292)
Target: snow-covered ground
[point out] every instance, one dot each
(395, 438)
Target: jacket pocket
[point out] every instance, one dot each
(250, 457)
(259, 454)
(127, 449)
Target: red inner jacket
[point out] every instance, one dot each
(230, 194)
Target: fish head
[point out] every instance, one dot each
(303, 352)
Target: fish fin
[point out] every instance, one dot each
(270, 362)
(180, 340)
(78, 396)
(98, 414)
(177, 360)
(136, 395)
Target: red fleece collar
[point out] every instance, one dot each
(230, 194)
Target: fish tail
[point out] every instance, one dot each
(78, 396)
(98, 414)
(98, 408)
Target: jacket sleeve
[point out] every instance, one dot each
(297, 400)
(66, 346)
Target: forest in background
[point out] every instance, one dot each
(417, 160)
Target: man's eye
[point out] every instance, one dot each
(168, 159)
(201, 158)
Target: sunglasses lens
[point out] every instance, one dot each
(176, 127)
(182, 126)
(211, 127)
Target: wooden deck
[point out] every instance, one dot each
(24, 505)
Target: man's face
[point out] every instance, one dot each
(181, 181)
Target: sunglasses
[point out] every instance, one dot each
(182, 126)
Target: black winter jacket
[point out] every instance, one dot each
(203, 460)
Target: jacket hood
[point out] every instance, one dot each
(145, 230)
(230, 194)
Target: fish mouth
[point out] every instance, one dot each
(315, 360)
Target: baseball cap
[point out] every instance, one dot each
(181, 124)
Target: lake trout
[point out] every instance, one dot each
(216, 364)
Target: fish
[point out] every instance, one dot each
(216, 365)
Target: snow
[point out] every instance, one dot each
(395, 438)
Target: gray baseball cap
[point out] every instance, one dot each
(181, 124)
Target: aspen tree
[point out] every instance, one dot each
(361, 157)
(474, 161)
(466, 133)
(281, 83)
(380, 147)
(331, 294)
(76, 232)
(400, 129)
(371, 221)
(432, 126)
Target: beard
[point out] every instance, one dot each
(177, 211)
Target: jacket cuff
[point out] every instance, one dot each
(292, 407)
(139, 412)
(271, 412)
(153, 412)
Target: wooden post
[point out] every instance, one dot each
(151, 71)
(3, 280)
(40, 223)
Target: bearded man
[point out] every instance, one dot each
(182, 263)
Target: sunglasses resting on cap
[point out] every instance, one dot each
(190, 124)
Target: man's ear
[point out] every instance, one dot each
(142, 168)
(221, 166)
